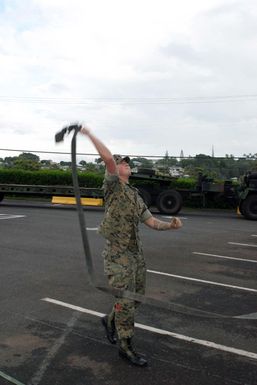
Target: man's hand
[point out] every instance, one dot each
(85, 130)
(156, 224)
(175, 223)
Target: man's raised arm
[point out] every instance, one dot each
(102, 150)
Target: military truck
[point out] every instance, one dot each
(169, 200)
(247, 196)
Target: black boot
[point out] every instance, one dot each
(109, 329)
(127, 352)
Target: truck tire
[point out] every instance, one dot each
(250, 207)
(169, 202)
(146, 196)
(1, 196)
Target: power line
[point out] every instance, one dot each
(44, 152)
(131, 100)
(130, 155)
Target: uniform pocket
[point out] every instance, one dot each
(122, 279)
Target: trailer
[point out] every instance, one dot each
(156, 191)
(47, 191)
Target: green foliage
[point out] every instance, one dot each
(26, 164)
(25, 161)
(222, 168)
(166, 162)
(184, 183)
(29, 156)
(49, 177)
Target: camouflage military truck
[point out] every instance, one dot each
(247, 196)
(169, 200)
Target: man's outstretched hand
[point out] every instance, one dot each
(175, 223)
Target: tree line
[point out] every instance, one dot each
(214, 167)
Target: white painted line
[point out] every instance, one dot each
(225, 257)
(9, 216)
(253, 235)
(169, 217)
(73, 307)
(37, 377)
(242, 244)
(203, 281)
(182, 337)
(92, 228)
(10, 379)
(247, 316)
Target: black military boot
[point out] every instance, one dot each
(127, 352)
(109, 329)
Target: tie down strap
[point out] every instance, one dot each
(172, 306)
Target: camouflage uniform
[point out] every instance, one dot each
(123, 257)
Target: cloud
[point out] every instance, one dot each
(136, 71)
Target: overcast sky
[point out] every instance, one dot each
(148, 76)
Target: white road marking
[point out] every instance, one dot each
(73, 307)
(10, 216)
(10, 379)
(37, 377)
(182, 337)
(169, 217)
(92, 228)
(225, 257)
(247, 316)
(242, 244)
(203, 281)
(253, 235)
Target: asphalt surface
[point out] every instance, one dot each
(41, 342)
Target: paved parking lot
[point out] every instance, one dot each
(50, 331)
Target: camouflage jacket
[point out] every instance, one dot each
(124, 209)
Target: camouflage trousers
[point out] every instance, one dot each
(126, 270)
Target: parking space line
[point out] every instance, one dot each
(182, 337)
(92, 228)
(10, 379)
(203, 281)
(247, 316)
(37, 377)
(242, 244)
(225, 257)
(170, 217)
(10, 216)
(73, 307)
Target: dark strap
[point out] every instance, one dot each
(175, 307)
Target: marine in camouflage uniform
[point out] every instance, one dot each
(124, 263)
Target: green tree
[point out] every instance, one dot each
(29, 156)
(49, 164)
(26, 164)
(166, 162)
(65, 164)
(9, 161)
(144, 162)
(46, 162)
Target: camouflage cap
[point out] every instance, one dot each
(119, 158)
